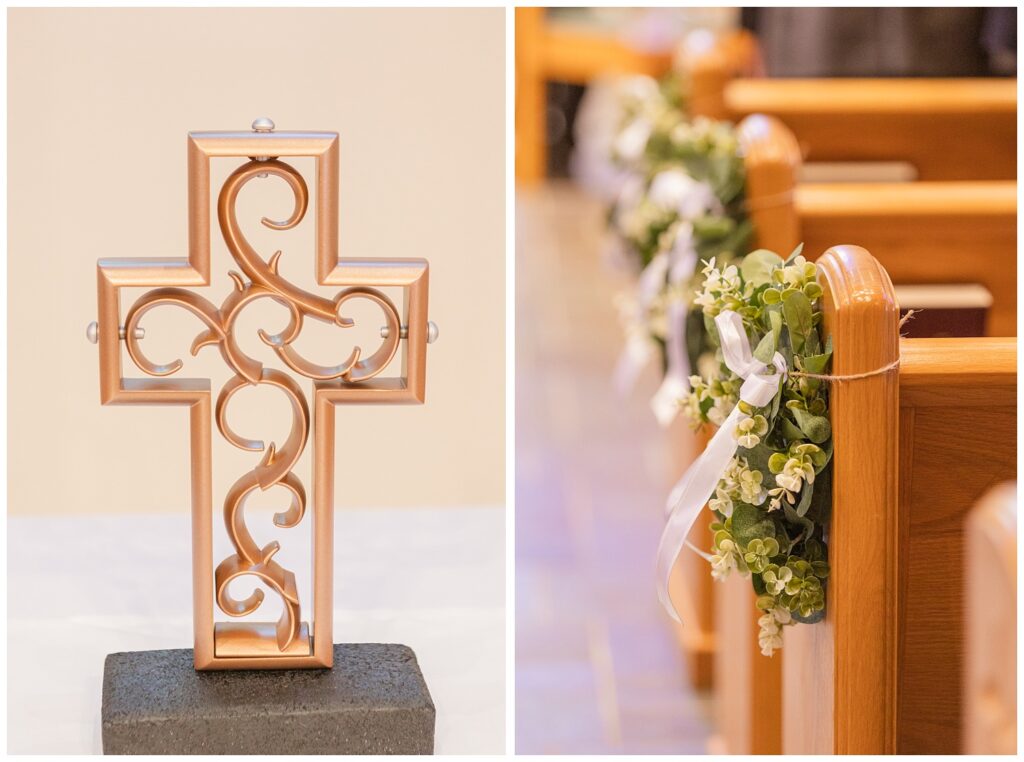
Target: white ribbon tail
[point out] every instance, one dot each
(688, 498)
(639, 346)
(665, 402)
(698, 483)
(634, 358)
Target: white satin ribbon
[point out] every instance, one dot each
(665, 402)
(639, 346)
(691, 493)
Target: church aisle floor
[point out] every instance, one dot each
(598, 669)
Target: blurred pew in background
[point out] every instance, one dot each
(946, 129)
(990, 613)
(935, 233)
(546, 51)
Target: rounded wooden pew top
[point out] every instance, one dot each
(980, 371)
(996, 198)
(783, 97)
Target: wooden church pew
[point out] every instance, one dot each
(990, 619)
(914, 450)
(748, 685)
(547, 51)
(924, 232)
(947, 129)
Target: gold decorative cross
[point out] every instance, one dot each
(290, 642)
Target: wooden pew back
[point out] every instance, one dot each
(948, 129)
(913, 451)
(926, 233)
(952, 232)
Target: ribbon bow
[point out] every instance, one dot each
(699, 482)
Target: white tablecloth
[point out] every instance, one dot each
(82, 587)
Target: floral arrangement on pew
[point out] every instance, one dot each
(681, 201)
(767, 470)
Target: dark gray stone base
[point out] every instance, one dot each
(374, 701)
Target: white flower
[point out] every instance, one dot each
(722, 289)
(721, 502)
(690, 405)
(707, 365)
(775, 580)
(629, 144)
(722, 566)
(638, 88)
(750, 430)
(794, 473)
(770, 636)
(751, 489)
(778, 495)
(788, 482)
(720, 410)
(674, 189)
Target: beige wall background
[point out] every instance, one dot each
(100, 102)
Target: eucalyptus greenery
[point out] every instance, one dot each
(773, 503)
(685, 191)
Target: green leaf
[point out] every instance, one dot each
(816, 427)
(757, 266)
(756, 457)
(790, 431)
(827, 448)
(805, 500)
(777, 462)
(821, 501)
(711, 329)
(796, 309)
(794, 516)
(813, 291)
(750, 523)
(766, 347)
(710, 226)
(774, 411)
(812, 618)
(758, 582)
(816, 363)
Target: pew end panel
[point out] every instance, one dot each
(913, 451)
(713, 62)
(748, 685)
(957, 437)
(691, 585)
(771, 161)
(849, 659)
